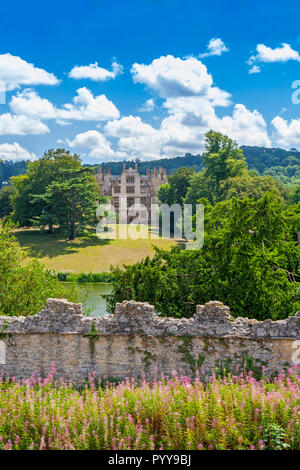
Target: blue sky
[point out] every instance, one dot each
(115, 79)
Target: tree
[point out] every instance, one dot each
(248, 185)
(175, 190)
(296, 195)
(73, 198)
(41, 195)
(6, 194)
(250, 261)
(25, 287)
(222, 159)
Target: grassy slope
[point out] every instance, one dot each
(86, 253)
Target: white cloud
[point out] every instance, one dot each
(172, 76)
(147, 106)
(29, 103)
(84, 107)
(15, 71)
(286, 134)
(15, 152)
(96, 73)
(214, 47)
(95, 142)
(135, 137)
(255, 69)
(127, 126)
(278, 54)
(21, 125)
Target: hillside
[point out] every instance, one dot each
(259, 158)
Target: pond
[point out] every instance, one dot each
(91, 296)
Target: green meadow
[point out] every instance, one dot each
(88, 252)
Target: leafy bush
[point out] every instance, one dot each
(250, 261)
(25, 287)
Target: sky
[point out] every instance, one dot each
(121, 79)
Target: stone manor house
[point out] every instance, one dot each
(132, 188)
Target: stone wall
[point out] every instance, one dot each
(136, 341)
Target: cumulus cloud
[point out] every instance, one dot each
(15, 152)
(185, 131)
(266, 54)
(286, 134)
(96, 73)
(214, 47)
(147, 106)
(21, 125)
(172, 76)
(135, 137)
(84, 107)
(96, 143)
(15, 71)
(29, 103)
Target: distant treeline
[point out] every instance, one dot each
(258, 158)
(83, 278)
(171, 164)
(8, 169)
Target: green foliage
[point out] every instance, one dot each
(56, 190)
(249, 261)
(175, 190)
(6, 194)
(296, 195)
(24, 288)
(275, 438)
(83, 278)
(230, 413)
(9, 169)
(223, 160)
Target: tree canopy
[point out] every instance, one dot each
(56, 190)
(250, 261)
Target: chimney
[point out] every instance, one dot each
(148, 171)
(124, 166)
(109, 171)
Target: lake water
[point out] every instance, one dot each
(91, 297)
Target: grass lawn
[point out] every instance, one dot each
(87, 253)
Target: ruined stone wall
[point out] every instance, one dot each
(136, 341)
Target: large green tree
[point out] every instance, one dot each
(250, 261)
(73, 198)
(56, 191)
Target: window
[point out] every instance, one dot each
(116, 201)
(143, 189)
(117, 189)
(130, 201)
(129, 189)
(129, 179)
(144, 201)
